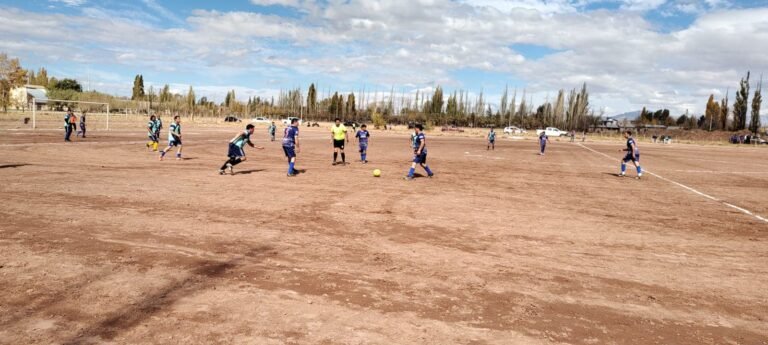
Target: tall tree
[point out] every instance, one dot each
(138, 88)
(503, 102)
(724, 111)
(437, 101)
(42, 77)
(312, 99)
(191, 100)
(351, 108)
(757, 100)
(740, 106)
(711, 113)
(165, 94)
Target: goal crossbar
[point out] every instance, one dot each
(34, 108)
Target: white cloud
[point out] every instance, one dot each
(624, 59)
(73, 3)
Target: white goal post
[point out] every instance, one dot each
(34, 108)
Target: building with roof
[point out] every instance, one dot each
(22, 96)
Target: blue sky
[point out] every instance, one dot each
(631, 53)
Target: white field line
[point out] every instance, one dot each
(741, 209)
(721, 172)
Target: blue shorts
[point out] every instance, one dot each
(174, 142)
(629, 157)
(363, 147)
(420, 159)
(289, 151)
(235, 151)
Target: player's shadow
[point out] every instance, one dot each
(188, 158)
(12, 165)
(611, 174)
(246, 172)
(418, 175)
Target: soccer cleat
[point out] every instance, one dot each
(622, 174)
(639, 175)
(230, 168)
(334, 163)
(408, 178)
(221, 172)
(431, 175)
(291, 175)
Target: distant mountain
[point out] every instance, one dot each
(632, 115)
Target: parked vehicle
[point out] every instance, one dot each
(552, 132)
(232, 119)
(261, 120)
(287, 120)
(514, 130)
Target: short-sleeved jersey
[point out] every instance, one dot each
(174, 130)
(66, 119)
(158, 124)
(363, 135)
(82, 118)
(630, 144)
(417, 140)
(151, 126)
(543, 138)
(241, 139)
(492, 136)
(272, 129)
(339, 132)
(289, 136)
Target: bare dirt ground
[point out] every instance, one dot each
(102, 243)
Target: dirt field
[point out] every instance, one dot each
(102, 243)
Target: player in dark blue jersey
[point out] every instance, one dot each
(362, 138)
(236, 153)
(291, 145)
(543, 140)
(419, 152)
(633, 154)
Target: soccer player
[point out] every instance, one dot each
(362, 139)
(67, 127)
(419, 153)
(82, 126)
(72, 123)
(236, 153)
(543, 140)
(291, 145)
(340, 137)
(152, 134)
(633, 154)
(271, 130)
(158, 128)
(174, 138)
(491, 140)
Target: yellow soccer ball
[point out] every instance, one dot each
(376, 173)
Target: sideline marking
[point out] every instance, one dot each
(741, 209)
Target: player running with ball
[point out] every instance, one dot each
(236, 153)
(633, 154)
(419, 153)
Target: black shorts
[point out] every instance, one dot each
(235, 151)
(338, 144)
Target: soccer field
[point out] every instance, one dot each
(102, 243)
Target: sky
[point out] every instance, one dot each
(631, 53)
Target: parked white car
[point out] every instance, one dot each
(287, 120)
(261, 120)
(514, 130)
(552, 132)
